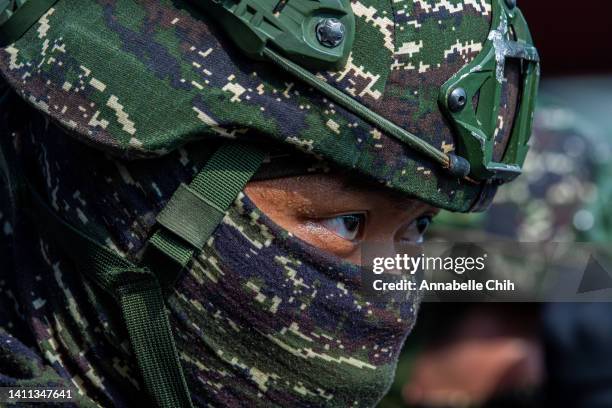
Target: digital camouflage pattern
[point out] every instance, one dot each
(564, 195)
(302, 333)
(143, 83)
(139, 79)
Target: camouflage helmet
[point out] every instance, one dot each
(432, 98)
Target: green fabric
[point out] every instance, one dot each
(192, 214)
(22, 19)
(140, 79)
(140, 300)
(144, 313)
(168, 254)
(346, 101)
(265, 320)
(194, 211)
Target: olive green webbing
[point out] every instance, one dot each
(137, 289)
(194, 211)
(144, 313)
(139, 297)
(22, 19)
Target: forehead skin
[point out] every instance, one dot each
(317, 194)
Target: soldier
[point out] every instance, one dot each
(538, 352)
(190, 185)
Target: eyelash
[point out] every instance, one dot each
(421, 230)
(337, 225)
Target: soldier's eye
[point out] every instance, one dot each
(346, 226)
(422, 224)
(415, 232)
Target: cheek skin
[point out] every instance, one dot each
(296, 204)
(294, 212)
(320, 237)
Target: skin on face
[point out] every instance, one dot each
(339, 214)
(312, 207)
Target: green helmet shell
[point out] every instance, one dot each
(139, 79)
(8, 8)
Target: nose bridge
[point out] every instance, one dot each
(386, 225)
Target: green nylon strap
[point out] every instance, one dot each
(190, 217)
(139, 297)
(167, 254)
(144, 313)
(22, 19)
(194, 211)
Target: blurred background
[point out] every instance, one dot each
(573, 38)
(534, 355)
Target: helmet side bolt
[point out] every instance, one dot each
(458, 166)
(511, 4)
(330, 32)
(457, 100)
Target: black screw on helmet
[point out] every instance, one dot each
(457, 100)
(511, 4)
(330, 32)
(458, 166)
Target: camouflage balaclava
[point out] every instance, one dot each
(260, 318)
(303, 332)
(142, 79)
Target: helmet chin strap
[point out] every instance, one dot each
(139, 289)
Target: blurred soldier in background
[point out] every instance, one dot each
(517, 355)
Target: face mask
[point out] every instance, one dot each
(260, 318)
(263, 319)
